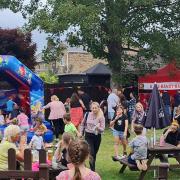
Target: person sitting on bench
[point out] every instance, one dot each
(171, 136)
(139, 149)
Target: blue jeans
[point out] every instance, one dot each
(131, 161)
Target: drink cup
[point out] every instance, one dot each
(50, 155)
(162, 141)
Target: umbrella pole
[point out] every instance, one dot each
(154, 142)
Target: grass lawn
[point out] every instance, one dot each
(108, 169)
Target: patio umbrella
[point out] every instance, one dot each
(156, 117)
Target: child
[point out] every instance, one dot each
(61, 151)
(15, 111)
(10, 104)
(120, 130)
(39, 125)
(37, 141)
(69, 126)
(139, 149)
(23, 121)
(2, 122)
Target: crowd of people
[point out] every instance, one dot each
(81, 122)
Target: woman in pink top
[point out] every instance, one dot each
(93, 125)
(78, 151)
(23, 120)
(57, 110)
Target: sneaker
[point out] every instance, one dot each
(123, 156)
(116, 158)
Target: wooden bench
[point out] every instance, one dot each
(125, 164)
(12, 173)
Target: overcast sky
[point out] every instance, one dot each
(8, 19)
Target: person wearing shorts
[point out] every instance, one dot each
(120, 129)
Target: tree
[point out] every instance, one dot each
(53, 53)
(16, 43)
(48, 77)
(113, 29)
(14, 5)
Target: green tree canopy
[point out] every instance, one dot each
(48, 77)
(113, 29)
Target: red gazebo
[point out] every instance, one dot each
(167, 78)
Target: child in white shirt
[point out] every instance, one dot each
(37, 142)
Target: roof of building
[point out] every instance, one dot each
(99, 68)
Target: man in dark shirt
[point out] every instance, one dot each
(167, 102)
(85, 99)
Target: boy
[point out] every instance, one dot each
(139, 149)
(10, 105)
(37, 141)
(69, 126)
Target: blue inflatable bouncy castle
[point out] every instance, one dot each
(27, 84)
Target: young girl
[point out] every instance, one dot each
(23, 120)
(2, 122)
(78, 152)
(120, 129)
(39, 125)
(137, 117)
(61, 151)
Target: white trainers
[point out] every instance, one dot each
(123, 156)
(117, 157)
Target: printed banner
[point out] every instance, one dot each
(161, 86)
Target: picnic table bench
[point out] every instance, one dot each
(153, 152)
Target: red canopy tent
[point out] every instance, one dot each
(167, 78)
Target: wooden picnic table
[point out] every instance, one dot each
(155, 150)
(53, 172)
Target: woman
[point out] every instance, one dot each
(76, 110)
(57, 110)
(138, 116)
(11, 137)
(78, 152)
(93, 126)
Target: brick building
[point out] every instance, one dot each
(72, 61)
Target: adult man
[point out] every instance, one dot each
(85, 99)
(113, 101)
(167, 102)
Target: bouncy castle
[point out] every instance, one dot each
(27, 86)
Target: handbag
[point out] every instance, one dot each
(85, 123)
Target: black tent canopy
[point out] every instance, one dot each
(98, 69)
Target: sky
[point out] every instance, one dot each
(8, 19)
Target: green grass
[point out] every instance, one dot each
(109, 169)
